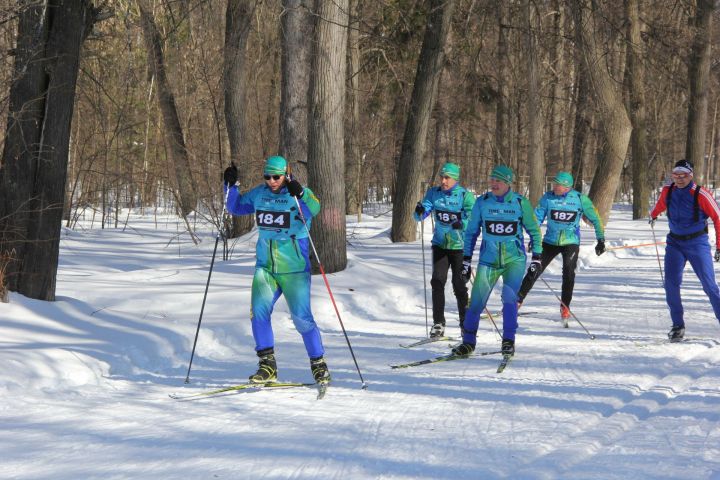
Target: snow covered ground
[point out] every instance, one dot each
(85, 380)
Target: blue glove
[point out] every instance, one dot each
(467, 269)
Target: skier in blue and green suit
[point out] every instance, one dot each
(450, 204)
(501, 215)
(283, 263)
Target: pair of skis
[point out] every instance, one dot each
(451, 356)
(321, 388)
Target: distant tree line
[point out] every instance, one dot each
(142, 103)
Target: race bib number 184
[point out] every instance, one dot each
(270, 219)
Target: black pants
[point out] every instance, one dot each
(569, 256)
(442, 260)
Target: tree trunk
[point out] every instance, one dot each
(503, 126)
(35, 156)
(556, 161)
(238, 19)
(610, 106)
(698, 76)
(581, 124)
(353, 169)
(636, 85)
(326, 148)
(296, 40)
(536, 162)
(173, 133)
(430, 65)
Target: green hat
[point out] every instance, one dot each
(451, 170)
(275, 165)
(564, 179)
(502, 173)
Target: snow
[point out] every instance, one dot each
(85, 380)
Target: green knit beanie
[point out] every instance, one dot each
(502, 173)
(275, 165)
(451, 170)
(564, 179)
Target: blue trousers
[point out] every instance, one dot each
(677, 254)
(266, 289)
(485, 279)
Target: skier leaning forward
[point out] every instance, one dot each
(501, 214)
(283, 263)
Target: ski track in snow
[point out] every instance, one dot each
(85, 380)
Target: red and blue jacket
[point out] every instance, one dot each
(684, 217)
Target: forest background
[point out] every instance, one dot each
(128, 104)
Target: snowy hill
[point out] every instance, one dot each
(85, 380)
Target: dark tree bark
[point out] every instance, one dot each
(326, 146)
(698, 77)
(238, 20)
(636, 87)
(555, 160)
(427, 78)
(353, 169)
(35, 155)
(581, 123)
(536, 162)
(296, 31)
(503, 123)
(172, 131)
(611, 109)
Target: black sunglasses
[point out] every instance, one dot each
(274, 177)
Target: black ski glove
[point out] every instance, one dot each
(467, 269)
(717, 255)
(419, 209)
(230, 175)
(458, 224)
(535, 268)
(600, 247)
(652, 222)
(295, 189)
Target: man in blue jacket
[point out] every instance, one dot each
(283, 263)
(451, 204)
(563, 207)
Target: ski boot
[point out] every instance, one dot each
(437, 330)
(463, 349)
(267, 367)
(564, 315)
(319, 370)
(507, 347)
(676, 334)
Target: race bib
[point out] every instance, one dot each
(563, 216)
(498, 227)
(270, 219)
(446, 217)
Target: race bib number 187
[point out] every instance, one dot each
(270, 219)
(563, 216)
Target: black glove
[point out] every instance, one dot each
(535, 268)
(600, 247)
(230, 175)
(717, 255)
(295, 189)
(467, 269)
(419, 209)
(458, 224)
(652, 222)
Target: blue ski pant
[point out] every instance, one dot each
(485, 279)
(266, 289)
(677, 254)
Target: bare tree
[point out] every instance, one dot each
(173, 132)
(296, 30)
(326, 147)
(427, 78)
(353, 169)
(503, 127)
(238, 19)
(535, 126)
(35, 155)
(636, 85)
(609, 102)
(698, 77)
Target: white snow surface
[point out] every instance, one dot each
(85, 380)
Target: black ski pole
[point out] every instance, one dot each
(332, 298)
(592, 337)
(207, 286)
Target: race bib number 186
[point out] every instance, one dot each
(497, 227)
